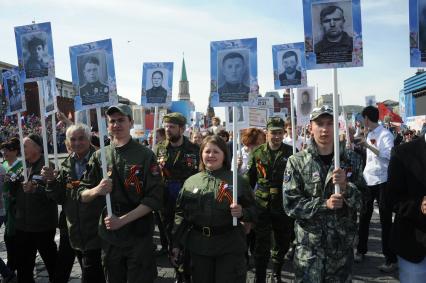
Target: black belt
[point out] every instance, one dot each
(207, 231)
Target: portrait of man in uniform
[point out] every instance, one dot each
(234, 70)
(335, 44)
(291, 75)
(157, 93)
(93, 90)
(35, 65)
(49, 96)
(15, 95)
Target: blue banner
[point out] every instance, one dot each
(157, 84)
(289, 65)
(13, 81)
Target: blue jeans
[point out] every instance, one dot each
(410, 272)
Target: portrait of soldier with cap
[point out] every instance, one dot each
(92, 88)
(36, 64)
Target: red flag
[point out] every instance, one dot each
(384, 111)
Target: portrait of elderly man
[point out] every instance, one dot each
(290, 75)
(233, 69)
(93, 91)
(157, 93)
(336, 44)
(35, 65)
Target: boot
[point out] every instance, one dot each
(276, 269)
(260, 274)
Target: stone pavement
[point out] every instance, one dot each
(364, 272)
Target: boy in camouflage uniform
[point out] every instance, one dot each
(326, 222)
(136, 189)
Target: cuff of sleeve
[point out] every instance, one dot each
(151, 203)
(323, 206)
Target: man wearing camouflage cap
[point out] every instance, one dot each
(325, 222)
(178, 159)
(136, 189)
(266, 168)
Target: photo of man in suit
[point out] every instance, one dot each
(291, 75)
(157, 93)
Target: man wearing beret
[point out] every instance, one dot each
(325, 221)
(178, 159)
(136, 189)
(36, 216)
(265, 172)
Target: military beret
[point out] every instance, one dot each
(319, 111)
(275, 123)
(175, 118)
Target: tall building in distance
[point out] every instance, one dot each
(183, 84)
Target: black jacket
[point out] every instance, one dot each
(405, 190)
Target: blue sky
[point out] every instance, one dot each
(149, 31)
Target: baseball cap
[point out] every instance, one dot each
(121, 108)
(275, 123)
(319, 111)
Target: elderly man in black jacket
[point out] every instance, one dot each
(406, 194)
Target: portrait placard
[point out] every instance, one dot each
(93, 75)
(13, 82)
(233, 67)
(258, 117)
(157, 84)
(305, 103)
(34, 46)
(49, 98)
(417, 22)
(242, 121)
(370, 100)
(289, 65)
(333, 33)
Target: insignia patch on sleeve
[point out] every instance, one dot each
(287, 176)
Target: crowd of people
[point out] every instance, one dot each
(287, 205)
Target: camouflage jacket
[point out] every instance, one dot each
(306, 187)
(265, 174)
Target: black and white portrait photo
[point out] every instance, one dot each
(233, 75)
(305, 104)
(156, 93)
(332, 28)
(240, 114)
(35, 54)
(49, 97)
(290, 66)
(422, 28)
(93, 78)
(15, 95)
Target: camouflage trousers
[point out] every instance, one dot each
(314, 265)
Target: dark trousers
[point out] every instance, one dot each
(91, 266)
(276, 227)
(66, 256)
(12, 253)
(163, 236)
(375, 193)
(28, 243)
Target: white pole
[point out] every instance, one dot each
(336, 127)
(234, 161)
(293, 124)
(154, 130)
(43, 121)
(55, 144)
(21, 139)
(89, 120)
(103, 156)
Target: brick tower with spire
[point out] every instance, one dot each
(183, 84)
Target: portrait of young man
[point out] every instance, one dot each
(93, 90)
(336, 44)
(291, 75)
(157, 93)
(234, 68)
(15, 97)
(35, 65)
